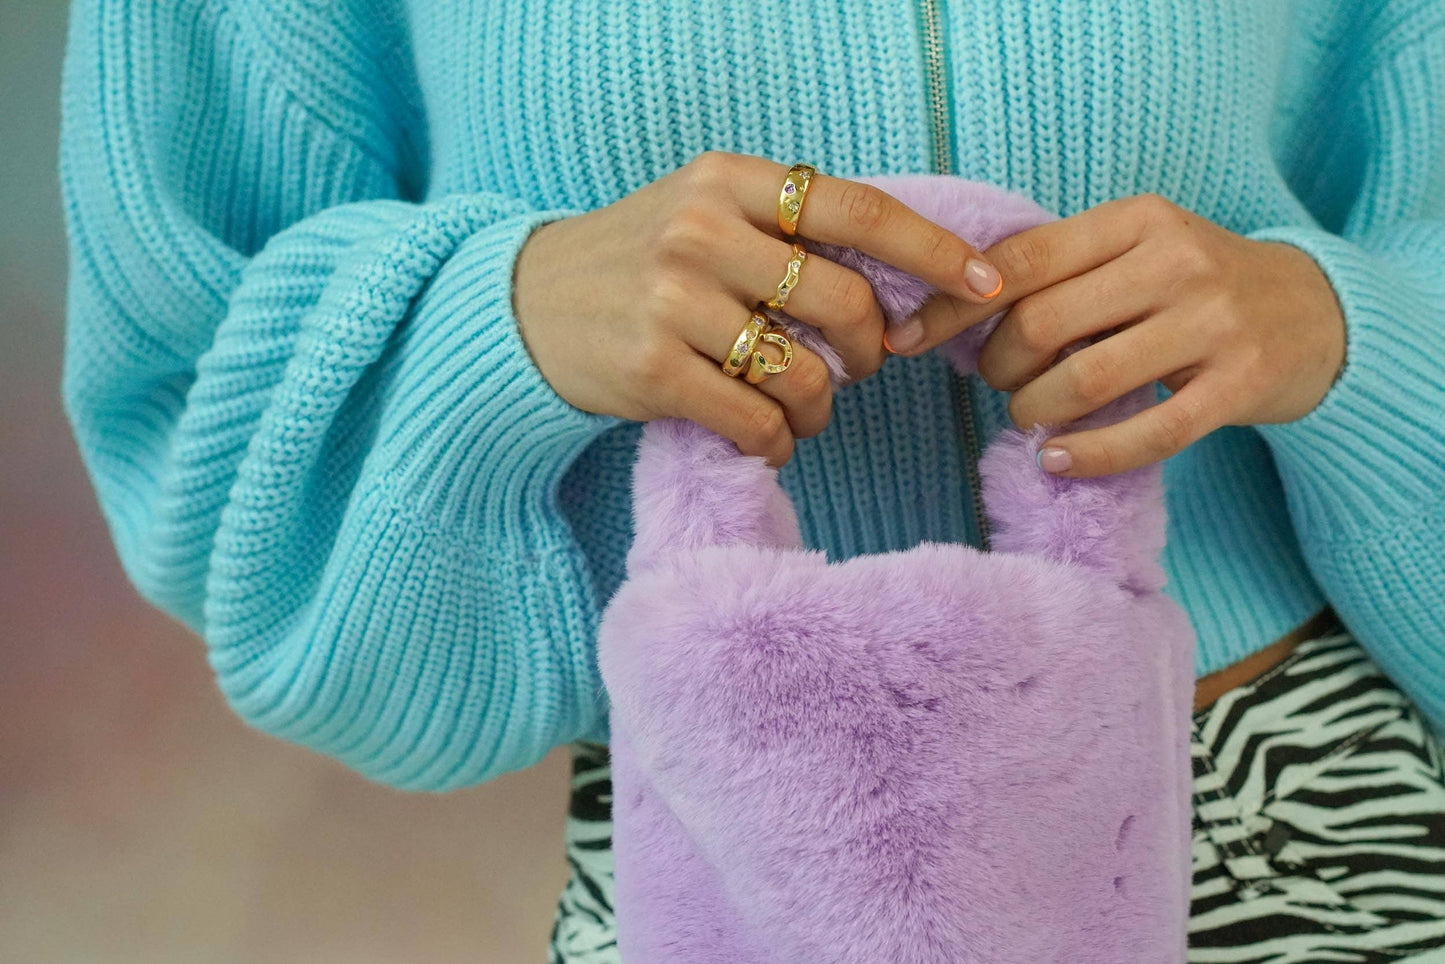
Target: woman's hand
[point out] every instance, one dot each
(1242, 332)
(629, 310)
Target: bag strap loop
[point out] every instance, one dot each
(692, 488)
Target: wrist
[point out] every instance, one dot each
(1380, 418)
(1323, 344)
(538, 297)
(534, 263)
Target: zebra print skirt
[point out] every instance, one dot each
(1319, 824)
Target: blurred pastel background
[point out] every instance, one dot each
(139, 820)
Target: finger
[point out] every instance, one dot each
(1156, 433)
(1098, 374)
(1042, 324)
(838, 301)
(1039, 257)
(841, 211)
(698, 390)
(803, 390)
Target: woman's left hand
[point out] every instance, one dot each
(1242, 332)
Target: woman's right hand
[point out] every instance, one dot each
(630, 309)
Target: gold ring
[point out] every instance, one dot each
(790, 280)
(744, 344)
(790, 199)
(760, 368)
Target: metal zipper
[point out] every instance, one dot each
(935, 87)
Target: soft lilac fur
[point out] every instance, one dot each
(937, 755)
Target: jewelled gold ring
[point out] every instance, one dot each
(760, 368)
(790, 280)
(744, 344)
(790, 199)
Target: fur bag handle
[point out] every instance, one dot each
(692, 488)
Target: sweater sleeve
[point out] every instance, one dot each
(1364, 473)
(314, 431)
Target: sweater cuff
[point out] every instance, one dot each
(1372, 447)
(480, 438)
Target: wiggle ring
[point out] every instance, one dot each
(760, 368)
(790, 199)
(744, 344)
(790, 280)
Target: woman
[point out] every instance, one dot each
(369, 298)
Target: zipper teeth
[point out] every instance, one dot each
(937, 84)
(975, 481)
(936, 89)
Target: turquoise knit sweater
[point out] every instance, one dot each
(319, 441)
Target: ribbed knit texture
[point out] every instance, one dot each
(297, 382)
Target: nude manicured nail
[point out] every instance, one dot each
(903, 337)
(982, 278)
(1053, 459)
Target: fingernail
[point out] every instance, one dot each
(904, 337)
(982, 278)
(1054, 459)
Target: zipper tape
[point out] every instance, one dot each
(936, 90)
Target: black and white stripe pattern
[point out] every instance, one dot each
(1319, 818)
(584, 931)
(1319, 824)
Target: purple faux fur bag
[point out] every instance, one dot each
(938, 755)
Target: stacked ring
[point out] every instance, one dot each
(790, 199)
(790, 280)
(747, 359)
(745, 344)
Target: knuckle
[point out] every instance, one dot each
(655, 354)
(869, 365)
(1222, 317)
(1029, 256)
(1190, 260)
(1108, 456)
(864, 206)
(945, 251)
(992, 373)
(826, 417)
(852, 299)
(1176, 427)
(648, 360)
(818, 421)
(666, 296)
(1154, 207)
(688, 230)
(1034, 323)
(766, 426)
(784, 450)
(811, 377)
(1110, 290)
(1091, 378)
(710, 170)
